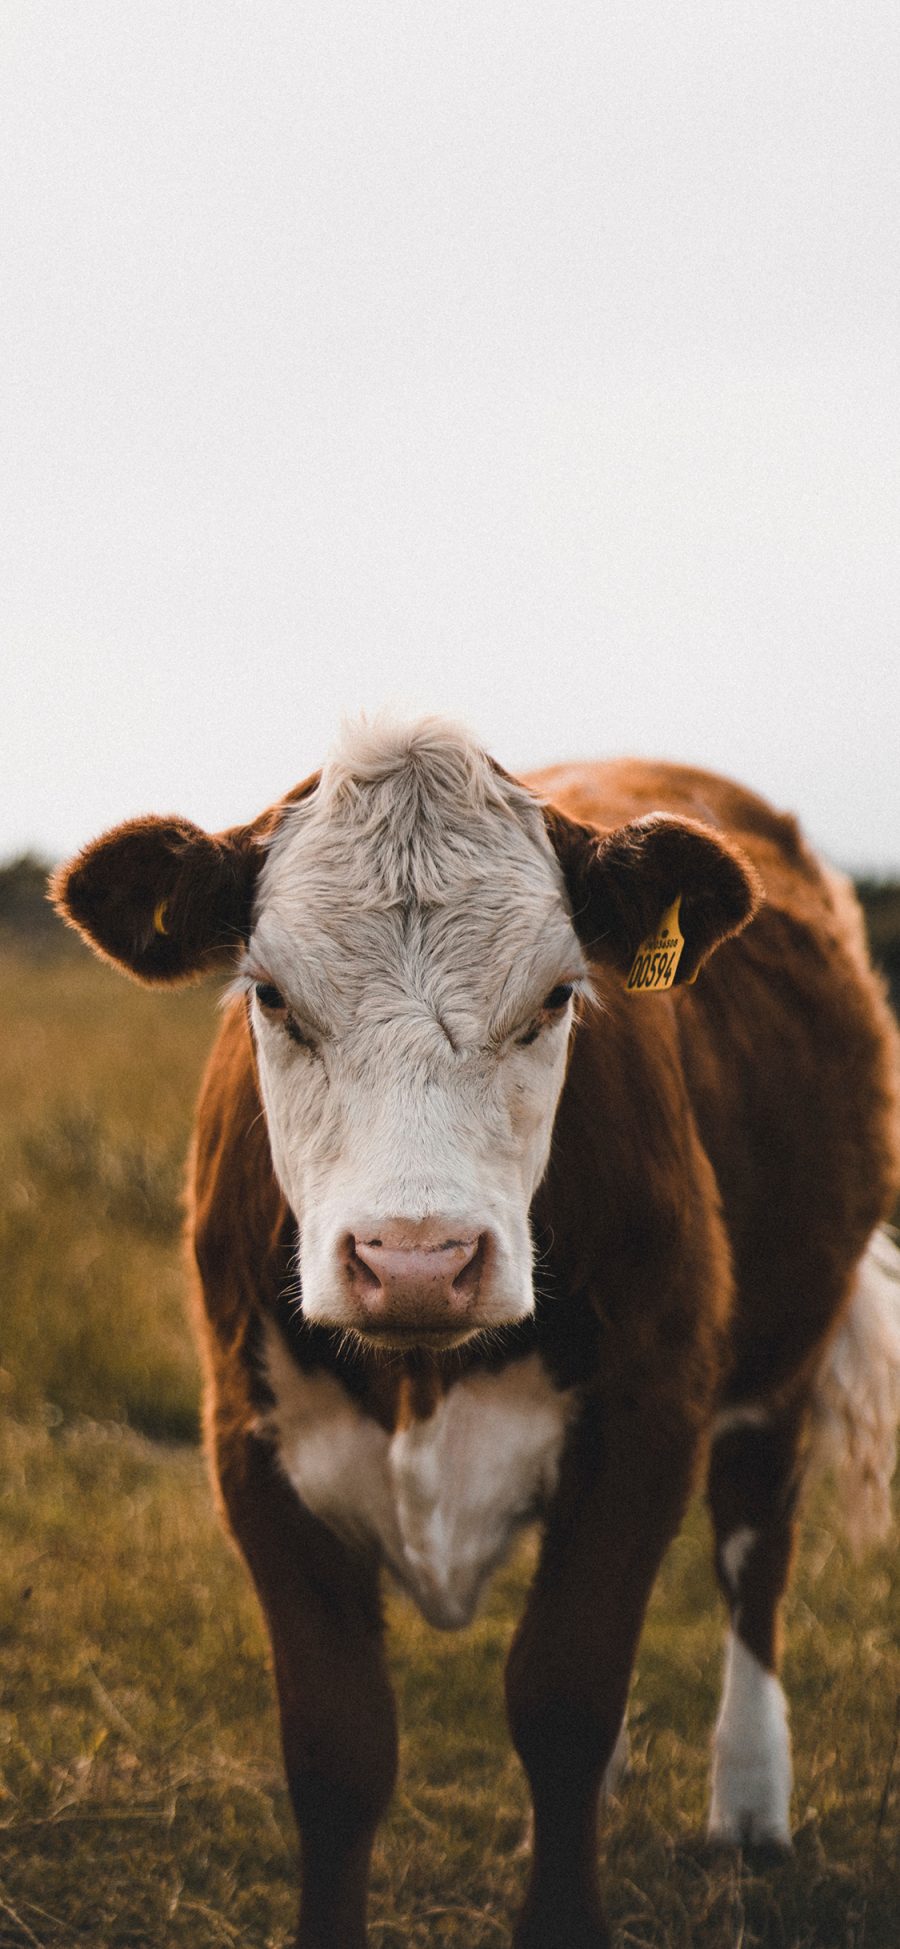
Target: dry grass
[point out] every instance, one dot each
(97, 1082)
(141, 1794)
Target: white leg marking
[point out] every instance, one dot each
(751, 1769)
(735, 1551)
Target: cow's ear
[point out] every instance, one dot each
(160, 898)
(623, 883)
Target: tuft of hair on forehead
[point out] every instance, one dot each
(432, 758)
(418, 799)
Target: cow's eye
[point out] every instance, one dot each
(552, 1004)
(273, 1004)
(269, 996)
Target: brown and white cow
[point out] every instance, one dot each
(485, 1237)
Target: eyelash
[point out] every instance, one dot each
(553, 1004)
(559, 996)
(272, 1001)
(269, 996)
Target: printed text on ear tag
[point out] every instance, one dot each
(655, 964)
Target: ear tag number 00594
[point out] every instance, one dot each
(655, 964)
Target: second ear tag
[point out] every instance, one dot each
(655, 964)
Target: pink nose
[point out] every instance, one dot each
(414, 1275)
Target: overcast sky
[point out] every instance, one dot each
(537, 364)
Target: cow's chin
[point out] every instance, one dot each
(416, 1336)
(412, 1339)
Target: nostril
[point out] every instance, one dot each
(363, 1274)
(468, 1278)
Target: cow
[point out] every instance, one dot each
(541, 1166)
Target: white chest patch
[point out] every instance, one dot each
(440, 1499)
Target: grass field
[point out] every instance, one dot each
(141, 1795)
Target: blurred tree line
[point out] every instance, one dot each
(26, 916)
(880, 901)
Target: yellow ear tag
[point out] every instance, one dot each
(655, 964)
(159, 918)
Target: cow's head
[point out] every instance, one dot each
(412, 930)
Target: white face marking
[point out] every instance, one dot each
(412, 914)
(440, 1500)
(735, 1551)
(751, 1769)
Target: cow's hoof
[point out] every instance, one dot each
(750, 1819)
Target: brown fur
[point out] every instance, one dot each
(721, 1156)
(163, 900)
(621, 883)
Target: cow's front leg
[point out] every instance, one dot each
(621, 1496)
(338, 1722)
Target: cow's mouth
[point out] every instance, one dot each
(405, 1339)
